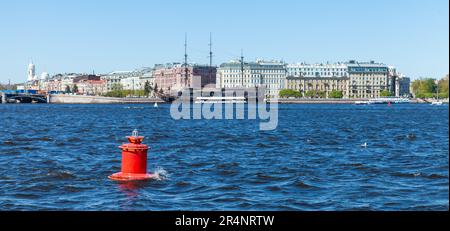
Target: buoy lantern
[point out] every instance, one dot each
(134, 160)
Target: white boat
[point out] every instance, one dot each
(155, 105)
(362, 102)
(221, 100)
(387, 100)
(437, 103)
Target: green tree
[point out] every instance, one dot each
(156, 88)
(424, 88)
(385, 93)
(147, 88)
(336, 94)
(443, 87)
(286, 93)
(68, 89)
(310, 94)
(75, 89)
(316, 94)
(117, 87)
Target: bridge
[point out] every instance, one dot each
(22, 98)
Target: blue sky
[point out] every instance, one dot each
(108, 35)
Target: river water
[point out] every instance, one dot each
(58, 157)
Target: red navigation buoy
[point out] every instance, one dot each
(389, 104)
(134, 160)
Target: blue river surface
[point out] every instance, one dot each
(59, 157)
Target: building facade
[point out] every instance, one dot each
(268, 74)
(172, 78)
(367, 80)
(402, 88)
(114, 79)
(91, 87)
(131, 83)
(317, 70)
(318, 84)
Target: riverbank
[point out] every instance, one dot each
(344, 101)
(82, 99)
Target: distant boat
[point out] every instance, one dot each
(362, 102)
(389, 100)
(221, 100)
(437, 103)
(155, 105)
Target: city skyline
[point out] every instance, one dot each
(110, 36)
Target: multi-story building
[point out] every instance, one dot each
(172, 78)
(91, 87)
(147, 77)
(60, 82)
(268, 74)
(402, 86)
(114, 79)
(317, 70)
(367, 80)
(131, 83)
(318, 84)
(399, 84)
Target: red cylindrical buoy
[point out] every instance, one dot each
(134, 160)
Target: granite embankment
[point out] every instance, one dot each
(82, 99)
(344, 101)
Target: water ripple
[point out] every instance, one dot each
(313, 161)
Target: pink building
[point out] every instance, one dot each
(91, 87)
(172, 78)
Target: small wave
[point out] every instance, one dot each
(436, 176)
(160, 174)
(230, 200)
(73, 139)
(182, 184)
(199, 164)
(227, 165)
(262, 145)
(45, 138)
(303, 185)
(398, 138)
(265, 177)
(358, 165)
(61, 175)
(229, 188)
(23, 139)
(9, 143)
(401, 174)
(60, 144)
(274, 188)
(133, 107)
(72, 189)
(411, 137)
(30, 148)
(26, 196)
(419, 174)
(227, 172)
